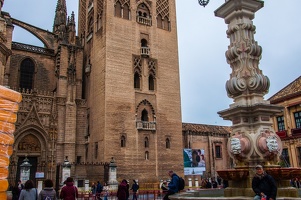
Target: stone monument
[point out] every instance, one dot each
(253, 140)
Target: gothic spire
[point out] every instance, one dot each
(59, 25)
(71, 29)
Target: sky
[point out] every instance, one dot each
(202, 43)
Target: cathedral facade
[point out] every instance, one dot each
(108, 88)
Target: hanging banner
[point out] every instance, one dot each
(194, 161)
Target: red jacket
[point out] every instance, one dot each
(123, 191)
(69, 192)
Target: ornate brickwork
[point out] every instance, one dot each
(162, 8)
(152, 67)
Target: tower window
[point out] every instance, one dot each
(167, 143)
(146, 142)
(136, 81)
(27, 74)
(126, 12)
(144, 115)
(118, 9)
(122, 141)
(151, 83)
(143, 15)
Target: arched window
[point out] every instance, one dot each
(143, 43)
(143, 15)
(151, 83)
(98, 23)
(146, 142)
(122, 141)
(27, 70)
(146, 155)
(126, 12)
(137, 80)
(159, 21)
(118, 9)
(90, 26)
(166, 24)
(167, 143)
(144, 115)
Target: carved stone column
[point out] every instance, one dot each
(253, 140)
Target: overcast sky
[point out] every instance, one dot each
(202, 44)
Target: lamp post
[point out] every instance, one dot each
(113, 183)
(25, 170)
(66, 171)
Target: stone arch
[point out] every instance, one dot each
(44, 36)
(145, 107)
(37, 132)
(146, 4)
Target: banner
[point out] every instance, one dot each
(194, 161)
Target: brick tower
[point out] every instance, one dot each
(132, 86)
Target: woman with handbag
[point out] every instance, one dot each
(69, 191)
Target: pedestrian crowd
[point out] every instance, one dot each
(263, 185)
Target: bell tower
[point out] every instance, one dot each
(132, 85)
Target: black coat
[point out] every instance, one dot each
(266, 184)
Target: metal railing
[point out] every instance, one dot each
(141, 195)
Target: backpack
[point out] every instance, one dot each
(47, 198)
(181, 183)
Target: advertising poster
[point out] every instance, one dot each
(194, 161)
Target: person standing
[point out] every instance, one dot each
(69, 191)
(29, 192)
(106, 190)
(48, 192)
(123, 191)
(173, 185)
(135, 188)
(263, 185)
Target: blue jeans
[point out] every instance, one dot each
(257, 197)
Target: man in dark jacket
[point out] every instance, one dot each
(264, 184)
(173, 185)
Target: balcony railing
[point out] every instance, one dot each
(296, 132)
(144, 125)
(144, 20)
(145, 51)
(282, 134)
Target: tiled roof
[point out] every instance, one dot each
(203, 128)
(290, 91)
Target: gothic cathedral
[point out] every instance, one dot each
(104, 87)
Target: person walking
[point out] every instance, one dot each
(69, 191)
(99, 189)
(48, 193)
(29, 192)
(173, 185)
(135, 188)
(263, 185)
(123, 191)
